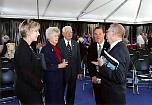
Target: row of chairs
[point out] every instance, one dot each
(140, 68)
(7, 77)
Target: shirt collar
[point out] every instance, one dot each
(114, 43)
(101, 44)
(66, 42)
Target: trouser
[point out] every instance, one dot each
(97, 92)
(70, 91)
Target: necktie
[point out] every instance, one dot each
(69, 51)
(99, 51)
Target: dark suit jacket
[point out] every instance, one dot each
(53, 77)
(92, 56)
(74, 66)
(114, 81)
(28, 71)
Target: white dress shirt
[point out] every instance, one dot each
(140, 40)
(113, 44)
(66, 42)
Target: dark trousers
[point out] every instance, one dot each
(28, 95)
(33, 99)
(97, 92)
(70, 84)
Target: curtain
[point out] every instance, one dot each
(10, 27)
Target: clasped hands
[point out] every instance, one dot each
(63, 64)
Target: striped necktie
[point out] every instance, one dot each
(99, 51)
(69, 51)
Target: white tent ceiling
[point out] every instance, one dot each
(123, 11)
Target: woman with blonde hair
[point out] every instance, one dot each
(27, 66)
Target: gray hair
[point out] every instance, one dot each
(51, 30)
(64, 29)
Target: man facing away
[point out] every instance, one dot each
(113, 69)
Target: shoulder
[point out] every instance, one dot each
(60, 41)
(22, 47)
(121, 48)
(106, 45)
(22, 51)
(93, 45)
(74, 42)
(46, 48)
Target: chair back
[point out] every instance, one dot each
(142, 65)
(7, 76)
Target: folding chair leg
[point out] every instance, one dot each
(137, 90)
(133, 89)
(83, 87)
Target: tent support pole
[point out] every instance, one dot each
(85, 8)
(138, 10)
(46, 7)
(38, 15)
(116, 9)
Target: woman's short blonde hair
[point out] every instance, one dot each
(27, 25)
(51, 30)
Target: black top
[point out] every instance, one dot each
(27, 67)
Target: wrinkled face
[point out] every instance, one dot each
(68, 34)
(110, 35)
(54, 38)
(99, 35)
(34, 33)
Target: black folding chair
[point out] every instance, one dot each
(141, 74)
(86, 77)
(7, 76)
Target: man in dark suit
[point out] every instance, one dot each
(113, 71)
(70, 51)
(94, 52)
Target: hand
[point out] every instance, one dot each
(79, 76)
(62, 65)
(41, 81)
(94, 79)
(100, 61)
(95, 63)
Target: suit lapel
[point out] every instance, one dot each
(64, 46)
(96, 50)
(73, 47)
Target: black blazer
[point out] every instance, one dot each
(74, 66)
(93, 55)
(114, 81)
(28, 70)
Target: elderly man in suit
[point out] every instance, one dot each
(70, 51)
(113, 68)
(94, 52)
